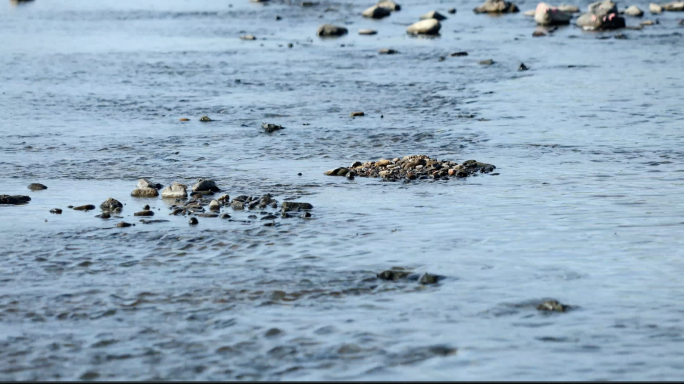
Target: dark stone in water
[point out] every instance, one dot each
(523, 67)
(393, 275)
(193, 221)
(294, 206)
(36, 187)
(429, 279)
(269, 217)
(104, 215)
(205, 186)
(456, 54)
(225, 216)
(111, 205)
(144, 213)
(56, 211)
(14, 200)
(153, 221)
(270, 128)
(124, 225)
(88, 207)
(209, 215)
(553, 306)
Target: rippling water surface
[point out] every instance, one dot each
(586, 208)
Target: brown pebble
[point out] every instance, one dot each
(355, 114)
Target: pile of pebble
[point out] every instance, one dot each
(413, 167)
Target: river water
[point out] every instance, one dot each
(586, 208)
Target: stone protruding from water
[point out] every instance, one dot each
(655, 8)
(602, 15)
(376, 12)
(145, 183)
(14, 199)
(634, 11)
(496, 6)
(553, 306)
(288, 206)
(549, 15)
(111, 205)
(145, 192)
(331, 30)
(87, 207)
(175, 191)
(389, 4)
(424, 27)
(203, 185)
(412, 168)
(433, 15)
(270, 128)
(36, 187)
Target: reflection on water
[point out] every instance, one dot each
(586, 208)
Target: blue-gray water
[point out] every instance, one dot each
(587, 208)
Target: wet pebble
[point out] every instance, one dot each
(36, 187)
(145, 192)
(357, 114)
(270, 128)
(433, 15)
(424, 27)
(331, 30)
(385, 51)
(87, 207)
(144, 213)
(56, 211)
(14, 200)
(111, 204)
(367, 32)
(553, 306)
(193, 221)
(124, 225)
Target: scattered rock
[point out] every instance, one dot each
(433, 15)
(208, 214)
(56, 211)
(270, 128)
(620, 36)
(384, 51)
(183, 119)
(647, 22)
(153, 221)
(376, 12)
(357, 114)
(224, 200)
(634, 11)
(675, 6)
(88, 207)
(193, 221)
(104, 215)
(553, 306)
(602, 15)
(144, 213)
(214, 206)
(367, 32)
(523, 67)
(146, 207)
(225, 216)
(548, 15)
(175, 191)
(245, 37)
(389, 4)
(655, 8)
(308, 4)
(486, 62)
(145, 183)
(14, 200)
(538, 33)
(278, 18)
(111, 205)
(36, 187)
(451, 10)
(456, 54)
(124, 225)
(393, 275)
(145, 192)
(331, 30)
(294, 206)
(414, 167)
(424, 27)
(496, 6)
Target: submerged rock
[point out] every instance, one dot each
(111, 205)
(124, 225)
(88, 207)
(424, 27)
(14, 200)
(376, 12)
(145, 192)
(331, 30)
(451, 10)
(386, 51)
(36, 187)
(553, 306)
(145, 183)
(144, 213)
(288, 206)
(56, 211)
(393, 275)
(433, 15)
(548, 15)
(270, 128)
(634, 11)
(496, 6)
(427, 278)
(175, 191)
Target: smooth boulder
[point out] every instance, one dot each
(433, 15)
(602, 15)
(367, 32)
(376, 12)
(36, 187)
(675, 6)
(331, 30)
(634, 11)
(175, 191)
(548, 15)
(294, 206)
(496, 6)
(569, 8)
(111, 205)
(203, 185)
(425, 27)
(145, 183)
(655, 8)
